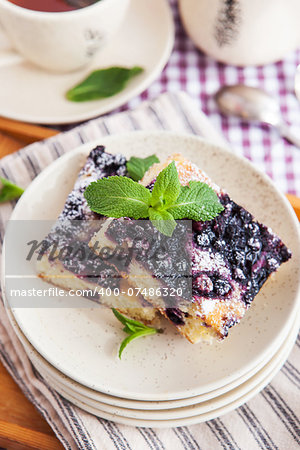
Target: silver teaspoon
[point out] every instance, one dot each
(254, 104)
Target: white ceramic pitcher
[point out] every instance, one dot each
(243, 32)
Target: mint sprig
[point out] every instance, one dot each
(123, 197)
(9, 191)
(133, 328)
(137, 167)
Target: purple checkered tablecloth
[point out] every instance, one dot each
(200, 76)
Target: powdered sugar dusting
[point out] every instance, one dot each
(207, 306)
(207, 261)
(187, 171)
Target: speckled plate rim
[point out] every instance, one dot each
(223, 152)
(265, 373)
(231, 401)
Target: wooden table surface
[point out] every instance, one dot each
(21, 425)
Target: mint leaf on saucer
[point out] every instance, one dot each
(134, 328)
(118, 197)
(9, 191)
(166, 188)
(102, 83)
(137, 167)
(198, 201)
(163, 221)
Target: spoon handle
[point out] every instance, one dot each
(286, 132)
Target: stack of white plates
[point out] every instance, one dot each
(162, 380)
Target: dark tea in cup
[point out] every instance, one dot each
(53, 5)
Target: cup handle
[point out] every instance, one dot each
(8, 56)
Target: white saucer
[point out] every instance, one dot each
(186, 415)
(81, 342)
(145, 39)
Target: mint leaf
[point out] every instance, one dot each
(198, 201)
(134, 328)
(102, 83)
(9, 191)
(118, 197)
(163, 221)
(137, 167)
(166, 188)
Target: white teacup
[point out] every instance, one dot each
(61, 41)
(243, 32)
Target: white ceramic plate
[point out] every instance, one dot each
(71, 391)
(145, 39)
(102, 400)
(266, 373)
(194, 414)
(82, 343)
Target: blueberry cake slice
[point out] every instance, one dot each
(232, 256)
(73, 230)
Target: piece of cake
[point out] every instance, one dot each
(66, 260)
(232, 256)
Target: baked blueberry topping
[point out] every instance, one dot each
(99, 165)
(92, 269)
(108, 164)
(203, 284)
(166, 258)
(74, 229)
(175, 315)
(222, 287)
(250, 250)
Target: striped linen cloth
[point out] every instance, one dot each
(268, 421)
(200, 76)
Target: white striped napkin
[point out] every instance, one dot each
(268, 421)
